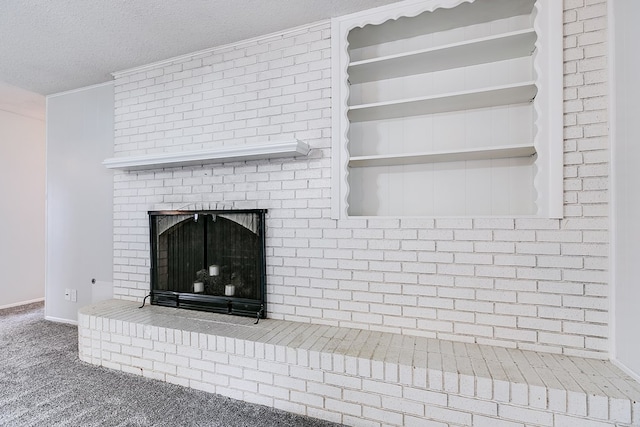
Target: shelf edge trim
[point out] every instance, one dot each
(444, 156)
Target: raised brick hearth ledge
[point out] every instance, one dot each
(354, 376)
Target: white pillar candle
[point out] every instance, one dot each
(229, 290)
(198, 287)
(214, 270)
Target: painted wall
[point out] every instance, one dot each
(79, 198)
(22, 192)
(532, 283)
(626, 194)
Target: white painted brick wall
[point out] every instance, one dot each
(531, 283)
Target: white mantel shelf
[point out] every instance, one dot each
(236, 153)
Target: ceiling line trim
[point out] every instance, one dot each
(80, 89)
(203, 52)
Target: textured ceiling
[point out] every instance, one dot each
(53, 46)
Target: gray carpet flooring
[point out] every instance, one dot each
(43, 383)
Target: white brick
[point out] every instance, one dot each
(343, 407)
(385, 416)
(620, 410)
(482, 421)
(526, 415)
(566, 421)
(576, 403)
(475, 406)
(421, 422)
(448, 415)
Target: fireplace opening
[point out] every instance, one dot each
(209, 260)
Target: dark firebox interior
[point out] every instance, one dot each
(209, 260)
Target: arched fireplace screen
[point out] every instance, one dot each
(209, 260)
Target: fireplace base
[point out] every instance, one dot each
(356, 377)
(237, 306)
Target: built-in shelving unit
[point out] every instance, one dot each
(433, 100)
(268, 150)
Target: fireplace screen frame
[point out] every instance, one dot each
(234, 305)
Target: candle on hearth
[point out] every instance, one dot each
(214, 270)
(198, 287)
(229, 290)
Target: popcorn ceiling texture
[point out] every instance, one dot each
(528, 283)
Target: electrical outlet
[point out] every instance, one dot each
(67, 294)
(74, 295)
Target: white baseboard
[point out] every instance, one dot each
(16, 304)
(61, 320)
(625, 369)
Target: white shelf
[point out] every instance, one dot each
(464, 100)
(471, 52)
(444, 156)
(267, 150)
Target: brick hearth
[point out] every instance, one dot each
(357, 377)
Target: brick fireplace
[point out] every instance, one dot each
(513, 284)
(532, 283)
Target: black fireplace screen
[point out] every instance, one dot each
(209, 260)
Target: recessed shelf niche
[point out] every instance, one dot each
(435, 110)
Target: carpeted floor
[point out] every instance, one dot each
(43, 383)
